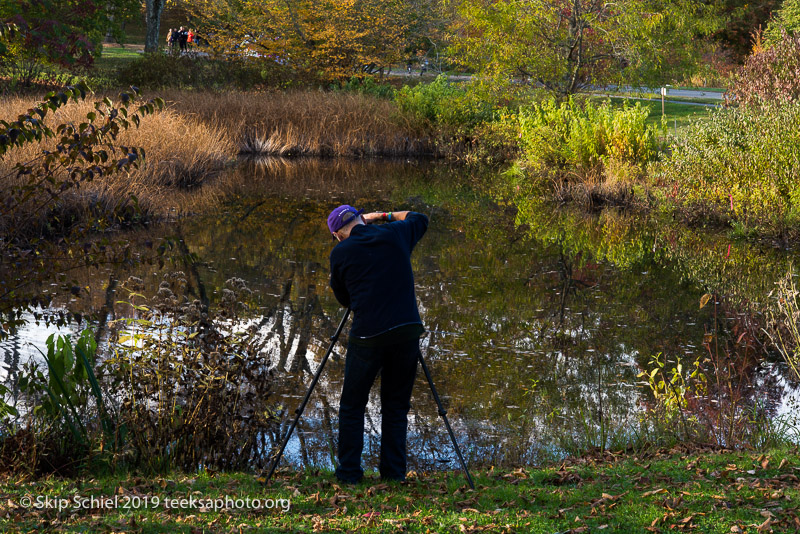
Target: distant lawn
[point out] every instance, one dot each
(706, 89)
(115, 52)
(678, 116)
(115, 56)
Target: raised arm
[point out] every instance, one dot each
(387, 216)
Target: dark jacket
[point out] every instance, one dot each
(371, 273)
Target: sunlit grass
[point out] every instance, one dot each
(666, 490)
(676, 118)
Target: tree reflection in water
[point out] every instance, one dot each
(537, 331)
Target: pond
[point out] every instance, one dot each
(539, 318)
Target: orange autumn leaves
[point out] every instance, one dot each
(327, 38)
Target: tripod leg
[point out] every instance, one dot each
(443, 414)
(299, 411)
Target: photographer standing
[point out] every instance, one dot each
(371, 274)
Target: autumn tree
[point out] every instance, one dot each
(333, 38)
(569, 45)
(67, 33)
(787, 19)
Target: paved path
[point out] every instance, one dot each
(703, 104)
(680, 93)
(677, 93)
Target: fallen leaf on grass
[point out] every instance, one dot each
(374, 489)
(766, 526)
(658, 491)
(336, 499)
(398, 522)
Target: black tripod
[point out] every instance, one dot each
(299, 411)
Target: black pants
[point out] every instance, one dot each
(397, 364)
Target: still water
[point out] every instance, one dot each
(539, 318)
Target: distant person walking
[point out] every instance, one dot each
(183, 37)
(173, 39)
(190, 37)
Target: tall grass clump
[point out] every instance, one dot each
(180, 154)
(600, 146)
(304, 123)
(785, 330)
(742, 164)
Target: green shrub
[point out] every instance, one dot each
(568, 137)
(193, 384)
(787, 19)
(496, 140)
(442, 103)
(167, 70)
(366, 86)
(742, 162)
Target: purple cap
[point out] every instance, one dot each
(342, 216)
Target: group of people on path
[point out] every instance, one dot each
(181, 38)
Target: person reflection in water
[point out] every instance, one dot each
(371, 274)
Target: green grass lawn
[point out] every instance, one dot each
(708, 492)
(705, 89)
(113, 57)
(677, 115)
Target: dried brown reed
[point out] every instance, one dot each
(189, 143)
(607, 185)
(305, 123)
(181, 153)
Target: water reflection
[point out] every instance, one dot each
(539, 321)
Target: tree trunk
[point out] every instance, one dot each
(153, 21)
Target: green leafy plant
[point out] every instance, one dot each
(69, 383)
(786, 20)
(671, 389)
(567, 137)
(442, 103)
(68, 415)
(741, 163)
(367, 85)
